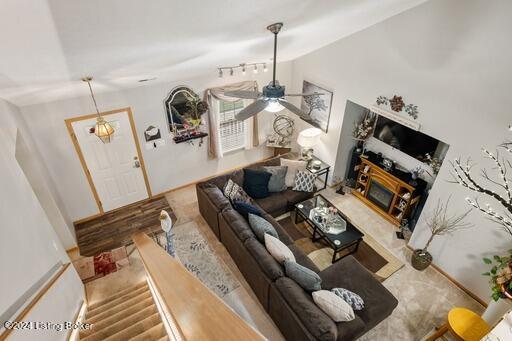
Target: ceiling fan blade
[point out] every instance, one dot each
(252, 109)
(243, 94)
(306, 94)
(292, 108)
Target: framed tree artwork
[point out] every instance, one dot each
(316, 106)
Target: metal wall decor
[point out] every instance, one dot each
(184, 111)
(396, 103)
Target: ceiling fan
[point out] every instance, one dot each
(272, 96)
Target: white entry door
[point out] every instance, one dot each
(114, 167)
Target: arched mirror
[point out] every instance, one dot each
(184, 110)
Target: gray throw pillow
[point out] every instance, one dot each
(260, 226)
(277, 180)
(306, 278)
(355, 301)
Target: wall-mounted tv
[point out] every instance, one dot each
(407, 140)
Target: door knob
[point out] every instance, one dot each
(136, 164)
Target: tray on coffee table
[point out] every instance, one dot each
(347, 241)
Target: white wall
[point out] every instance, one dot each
(60, 304)
(167, 167)
(29, 246)
(33, 169)
(452, 59)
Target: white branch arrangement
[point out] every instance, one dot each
(463, 176)
(441, 223)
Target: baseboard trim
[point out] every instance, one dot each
(161, 194)
(454, 281)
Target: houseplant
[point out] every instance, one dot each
(440, 223)
(500, 276)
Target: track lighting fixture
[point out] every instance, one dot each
(243, 67)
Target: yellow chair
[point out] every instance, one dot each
(464, 324)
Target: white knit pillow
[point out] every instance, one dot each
(293, 167)
(278, 249)
(333, 305)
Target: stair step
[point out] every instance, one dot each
(109, 326)
(138, 328)
(116, 301)
(157, 332)
(117, 295)
(120, 307)
(165, 338)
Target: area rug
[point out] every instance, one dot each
(370, 253)
(195, 254)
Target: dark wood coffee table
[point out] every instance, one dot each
(347, 241)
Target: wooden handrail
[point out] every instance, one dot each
(35, 299)
(198, 312)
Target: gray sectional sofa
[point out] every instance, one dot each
(291, 308)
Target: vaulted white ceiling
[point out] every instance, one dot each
(46, 46)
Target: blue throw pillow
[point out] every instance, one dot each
(245, 208)
(306, 278)
(256, 183)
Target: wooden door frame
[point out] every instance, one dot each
(78, 150)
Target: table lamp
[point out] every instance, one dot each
(307, 139)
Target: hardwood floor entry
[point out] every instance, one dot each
(114, 229)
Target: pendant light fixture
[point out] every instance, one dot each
(103, 129)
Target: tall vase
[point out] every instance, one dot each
(495, 310)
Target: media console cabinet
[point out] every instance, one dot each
(385, 193)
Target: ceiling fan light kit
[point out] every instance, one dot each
(272, 96)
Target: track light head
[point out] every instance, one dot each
(265, 68)
(231, 72)
(220, 73)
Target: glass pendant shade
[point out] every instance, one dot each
(274, 106)
(103, 130)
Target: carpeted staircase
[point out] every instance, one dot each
(130, 314)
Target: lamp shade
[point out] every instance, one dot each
(309, 138)
(103, 130)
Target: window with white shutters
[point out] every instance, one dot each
(232, 132)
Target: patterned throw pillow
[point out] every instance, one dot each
(234, 192)
(304, 181)
(355, 301)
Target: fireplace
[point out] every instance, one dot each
(380, 195)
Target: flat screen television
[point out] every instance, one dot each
(407, 140)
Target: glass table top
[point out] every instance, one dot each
(329, 221)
